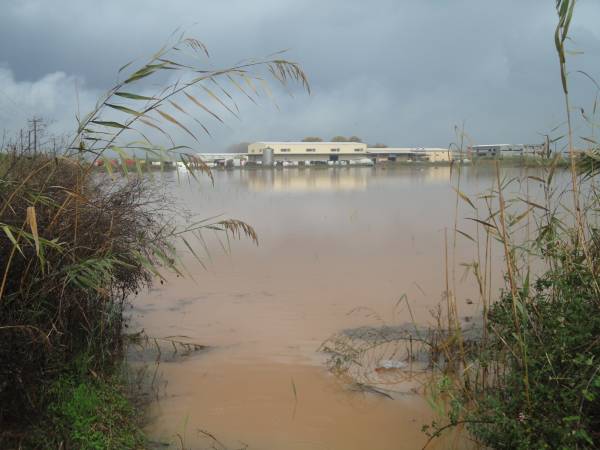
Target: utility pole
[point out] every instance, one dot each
(34, 135)
(34, 127)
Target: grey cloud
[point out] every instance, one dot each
(55, 96)
(400, 72)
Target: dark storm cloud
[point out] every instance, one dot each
(399, 72)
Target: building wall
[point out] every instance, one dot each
(534, 149)
(343, 151)
(390, 150)
(309, 151)
(508, 150)
(480, 150)
(213, 157)
(309, 148)
(413, 154)
(303, 157)
(389, 154)
(438, 155)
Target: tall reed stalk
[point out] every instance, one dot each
(536, 364)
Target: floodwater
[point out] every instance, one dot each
(337, 249)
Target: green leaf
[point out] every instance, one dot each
(108, 166)
(133, 96)
(11, 237)
(462, 233)
(533, 177)
(591, 140)
(110, 124)
(124, 157)
(588, 395)
(144, 72)
(486, 224)
(123, 67)
(125, 109)
(190, 248)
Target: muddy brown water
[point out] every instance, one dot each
(338, 248)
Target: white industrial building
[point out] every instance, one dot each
(410, 154)
(306, 152)
(292, 153)
(507, 150)
(282, 153)
(224, 159)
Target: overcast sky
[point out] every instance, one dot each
(394, 71)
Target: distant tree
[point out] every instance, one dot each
(354, 139)
(240, 147)
(380, 145)
(339, 139)
(312, 139)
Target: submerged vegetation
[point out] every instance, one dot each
(75, 244)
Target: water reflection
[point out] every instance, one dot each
(305, 180)
(316, 179)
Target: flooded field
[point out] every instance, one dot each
(337, 249)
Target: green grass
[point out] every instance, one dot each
(88, 414)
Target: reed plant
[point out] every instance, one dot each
(76, 243)
(533, 378)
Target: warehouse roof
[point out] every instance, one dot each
(307, 143)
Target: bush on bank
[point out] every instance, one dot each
(533, 379)
(73, 248)
(546, 388)
(75, 244)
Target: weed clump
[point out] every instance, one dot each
(73, 249)
(533, 379)
(91, 415)
(552, 398)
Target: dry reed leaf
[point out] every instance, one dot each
(32, 221)
(171, 119)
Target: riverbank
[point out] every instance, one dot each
(70, 247)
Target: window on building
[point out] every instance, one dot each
(335, 149)
(284, 150)
(358, 149)
(310, 149)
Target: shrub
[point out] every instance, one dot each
(550, 398)
(74, 244)
(80, 254)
